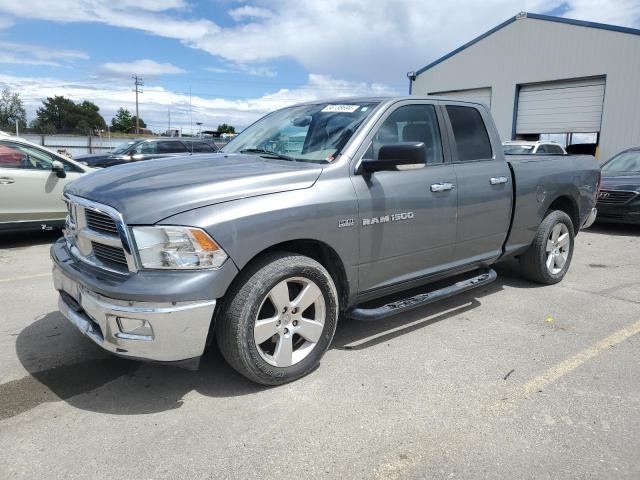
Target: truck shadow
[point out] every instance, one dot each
(103, 383)
(614, 229)
(29, 238)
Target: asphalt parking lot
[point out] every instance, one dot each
(510, 381)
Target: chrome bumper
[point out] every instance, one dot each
(172, 331)
(590, 219)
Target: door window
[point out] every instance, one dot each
(555, 149)
(16, 155)
(410, 123)
(146, 148)
(171, 147)
(199, 147)
(470, 133)
(542, 149)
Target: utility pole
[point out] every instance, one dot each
(137, 82)
(169, 127)
(17, 129)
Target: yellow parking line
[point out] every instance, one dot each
(580, 358)
(26, 277)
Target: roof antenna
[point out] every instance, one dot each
(521, 15)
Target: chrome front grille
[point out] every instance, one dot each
(96, 234)
(615, 197)
(100, 222)
(110, 255)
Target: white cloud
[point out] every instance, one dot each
(353, 39)
(248, 11)
(140, 67)
(25, 54)
(620, 12)
(253, 70)
(156, 101)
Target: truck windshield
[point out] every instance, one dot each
(517, 149)
(312, 133)
(625, 162)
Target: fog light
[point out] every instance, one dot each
(134, 326)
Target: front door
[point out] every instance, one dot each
(29, 190)
(407, 218)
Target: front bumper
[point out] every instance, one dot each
(619, 214)
(173, 331)
(591, 218)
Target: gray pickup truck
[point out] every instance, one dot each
(315, 211)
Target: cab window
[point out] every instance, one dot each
(410, 123)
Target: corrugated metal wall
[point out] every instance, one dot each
(531, 51)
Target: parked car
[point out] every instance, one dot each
(522, 147)
(32, 179)
(262, 249)
(137, 150)
(619, 198)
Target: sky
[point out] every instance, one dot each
(234, 61)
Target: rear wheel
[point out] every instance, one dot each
(549, 255)
(279, 319)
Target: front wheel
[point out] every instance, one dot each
(279, 319)
(549, 255)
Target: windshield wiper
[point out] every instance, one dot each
(268, 152)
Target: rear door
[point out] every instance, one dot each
(29, 190)
(407, 217)
(484, 185)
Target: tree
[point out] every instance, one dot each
(224, 128)
(59, 114)
(122, 122)
(12, 110)
(142, 124)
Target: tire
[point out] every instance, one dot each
(547, 260)
(258, 305)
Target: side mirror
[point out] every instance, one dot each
(392, 155)
(58, 168)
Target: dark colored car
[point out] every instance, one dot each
(137, 150)
(619, 197)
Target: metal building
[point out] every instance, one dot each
(547, 75)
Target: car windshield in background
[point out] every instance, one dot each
(313, 133)
(124, 147)
(625, 162)
(518, 149)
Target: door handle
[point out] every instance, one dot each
(442, 187)
(6, 180)
(498, 180)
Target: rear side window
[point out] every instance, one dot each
(171, 147)
(470, 132)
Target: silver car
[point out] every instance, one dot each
(32, 179)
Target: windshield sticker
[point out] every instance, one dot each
(340, 108)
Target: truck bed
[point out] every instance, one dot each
(539, 180)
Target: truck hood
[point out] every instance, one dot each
(147, 192)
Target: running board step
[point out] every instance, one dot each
(406, 304)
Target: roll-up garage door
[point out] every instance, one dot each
(479, 95)
(561, 107)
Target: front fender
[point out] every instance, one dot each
(246, 227)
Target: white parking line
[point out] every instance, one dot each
(26, 277)
(560, 370)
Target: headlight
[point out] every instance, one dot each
(177, 248)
